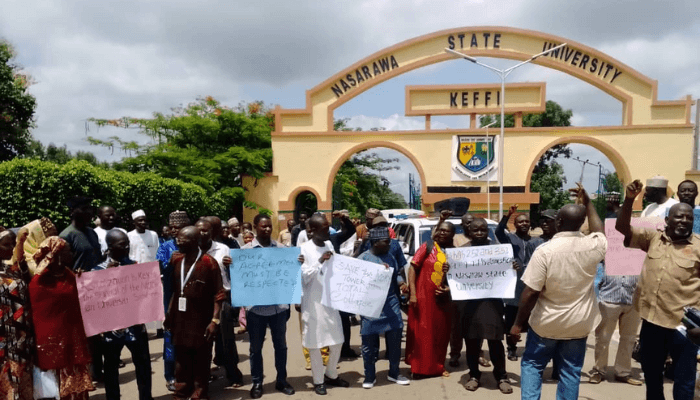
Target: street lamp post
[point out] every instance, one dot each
(503, 74)
(488, 173)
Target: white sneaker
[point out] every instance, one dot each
(401, 380)
(369, 385)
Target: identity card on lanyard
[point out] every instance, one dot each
(182, 301)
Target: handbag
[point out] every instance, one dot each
(45, 384)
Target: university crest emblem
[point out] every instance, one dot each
(475, 155)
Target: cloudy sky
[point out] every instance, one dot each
(116, 58)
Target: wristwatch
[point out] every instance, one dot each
(216, 321)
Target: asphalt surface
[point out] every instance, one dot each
(451, 387)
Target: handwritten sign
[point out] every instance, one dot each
(265, 276)
(117, 298)
(355, 286)
(620, 260)
(481, 272)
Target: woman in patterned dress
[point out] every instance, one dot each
(429, 313)
(61, 345)
(15, 325)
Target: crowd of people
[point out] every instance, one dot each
(563, 294)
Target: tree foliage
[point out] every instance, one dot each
(549, 181)
(61, 155)
(359, 184)
(554, 115)
(548, 176)
(30, 188)
(203, 143)
(611, 183)
(16, 106)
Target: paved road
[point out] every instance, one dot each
(352, 371)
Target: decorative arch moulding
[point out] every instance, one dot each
(636, 92)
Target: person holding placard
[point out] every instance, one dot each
(260, 317)
(62, 352)
(389, 322)
(321, 325)
(429, 311)
(669, 281)
(135, 338)
(193, 315)
(456, 336)
(483, 320)
(559, 300)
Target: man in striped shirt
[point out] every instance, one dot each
(615, 295)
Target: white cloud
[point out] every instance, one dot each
(128, 57)
(394, 122)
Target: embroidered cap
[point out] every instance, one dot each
(136, 214)
(378, 233)
(178, 218)
(658, 182)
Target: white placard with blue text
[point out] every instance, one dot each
(355, 286)
(481, 272)
(265, 276)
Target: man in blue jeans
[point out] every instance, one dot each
(260, 317)
(559, 301)
(668, 282)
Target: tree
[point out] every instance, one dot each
(359, 185)
(548, 176)
(548, 181)
(16, 106)
(611, 184)
(61, 155)
(553, 115)
(203, 143)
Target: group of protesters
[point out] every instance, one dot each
(563, 293)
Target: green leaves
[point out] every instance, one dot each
(358, 186)
(16, 107)
(204, 143)
(31, 188)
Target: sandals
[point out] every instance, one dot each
(473, 384)
(504, 386)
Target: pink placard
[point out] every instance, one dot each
(620, 260)
(117, 298)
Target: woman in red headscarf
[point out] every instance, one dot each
(429, 316)
(61, 345)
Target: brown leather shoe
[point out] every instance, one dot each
(629, 380)
(596, 377)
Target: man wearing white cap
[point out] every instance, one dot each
(655, 194)
(143, 243)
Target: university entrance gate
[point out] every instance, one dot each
(654, 137)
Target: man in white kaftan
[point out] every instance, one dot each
(321, 325)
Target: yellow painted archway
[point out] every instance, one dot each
(648, 125)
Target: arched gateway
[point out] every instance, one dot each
(654, 136)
